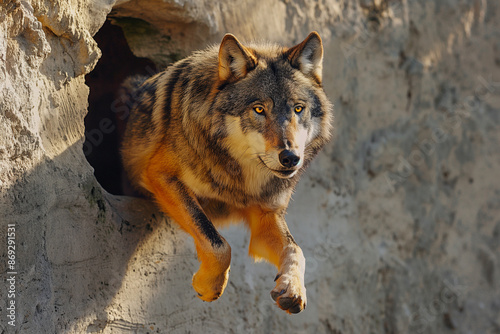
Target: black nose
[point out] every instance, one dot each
(288, 159)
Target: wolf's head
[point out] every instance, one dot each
(275, 111)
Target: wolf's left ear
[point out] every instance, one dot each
(308, 56)
(235, 60)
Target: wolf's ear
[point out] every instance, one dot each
(235, 60)
(308, 56)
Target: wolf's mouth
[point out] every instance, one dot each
(281, 173)
(285, 174)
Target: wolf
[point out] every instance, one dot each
(224, 136)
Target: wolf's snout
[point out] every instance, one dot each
(289, 159)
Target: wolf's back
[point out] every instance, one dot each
(159, 105)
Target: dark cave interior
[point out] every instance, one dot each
(106, 118)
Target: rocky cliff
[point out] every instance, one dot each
(399, 217)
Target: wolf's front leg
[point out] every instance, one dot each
(272, 241)
(213, 250)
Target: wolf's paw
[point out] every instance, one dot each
(209, 286)
(289, 293)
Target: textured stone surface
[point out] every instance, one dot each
(399, 218)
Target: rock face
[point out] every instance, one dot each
(399, 218)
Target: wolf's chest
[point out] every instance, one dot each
(241, 188)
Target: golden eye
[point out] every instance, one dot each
(298, 109)
(258, 109)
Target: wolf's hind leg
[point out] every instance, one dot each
(213, 250)
(272, 241)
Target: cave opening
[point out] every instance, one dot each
(107, 111)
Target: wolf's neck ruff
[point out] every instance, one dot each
(224, 135)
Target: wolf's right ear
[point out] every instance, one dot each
(235, 60)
